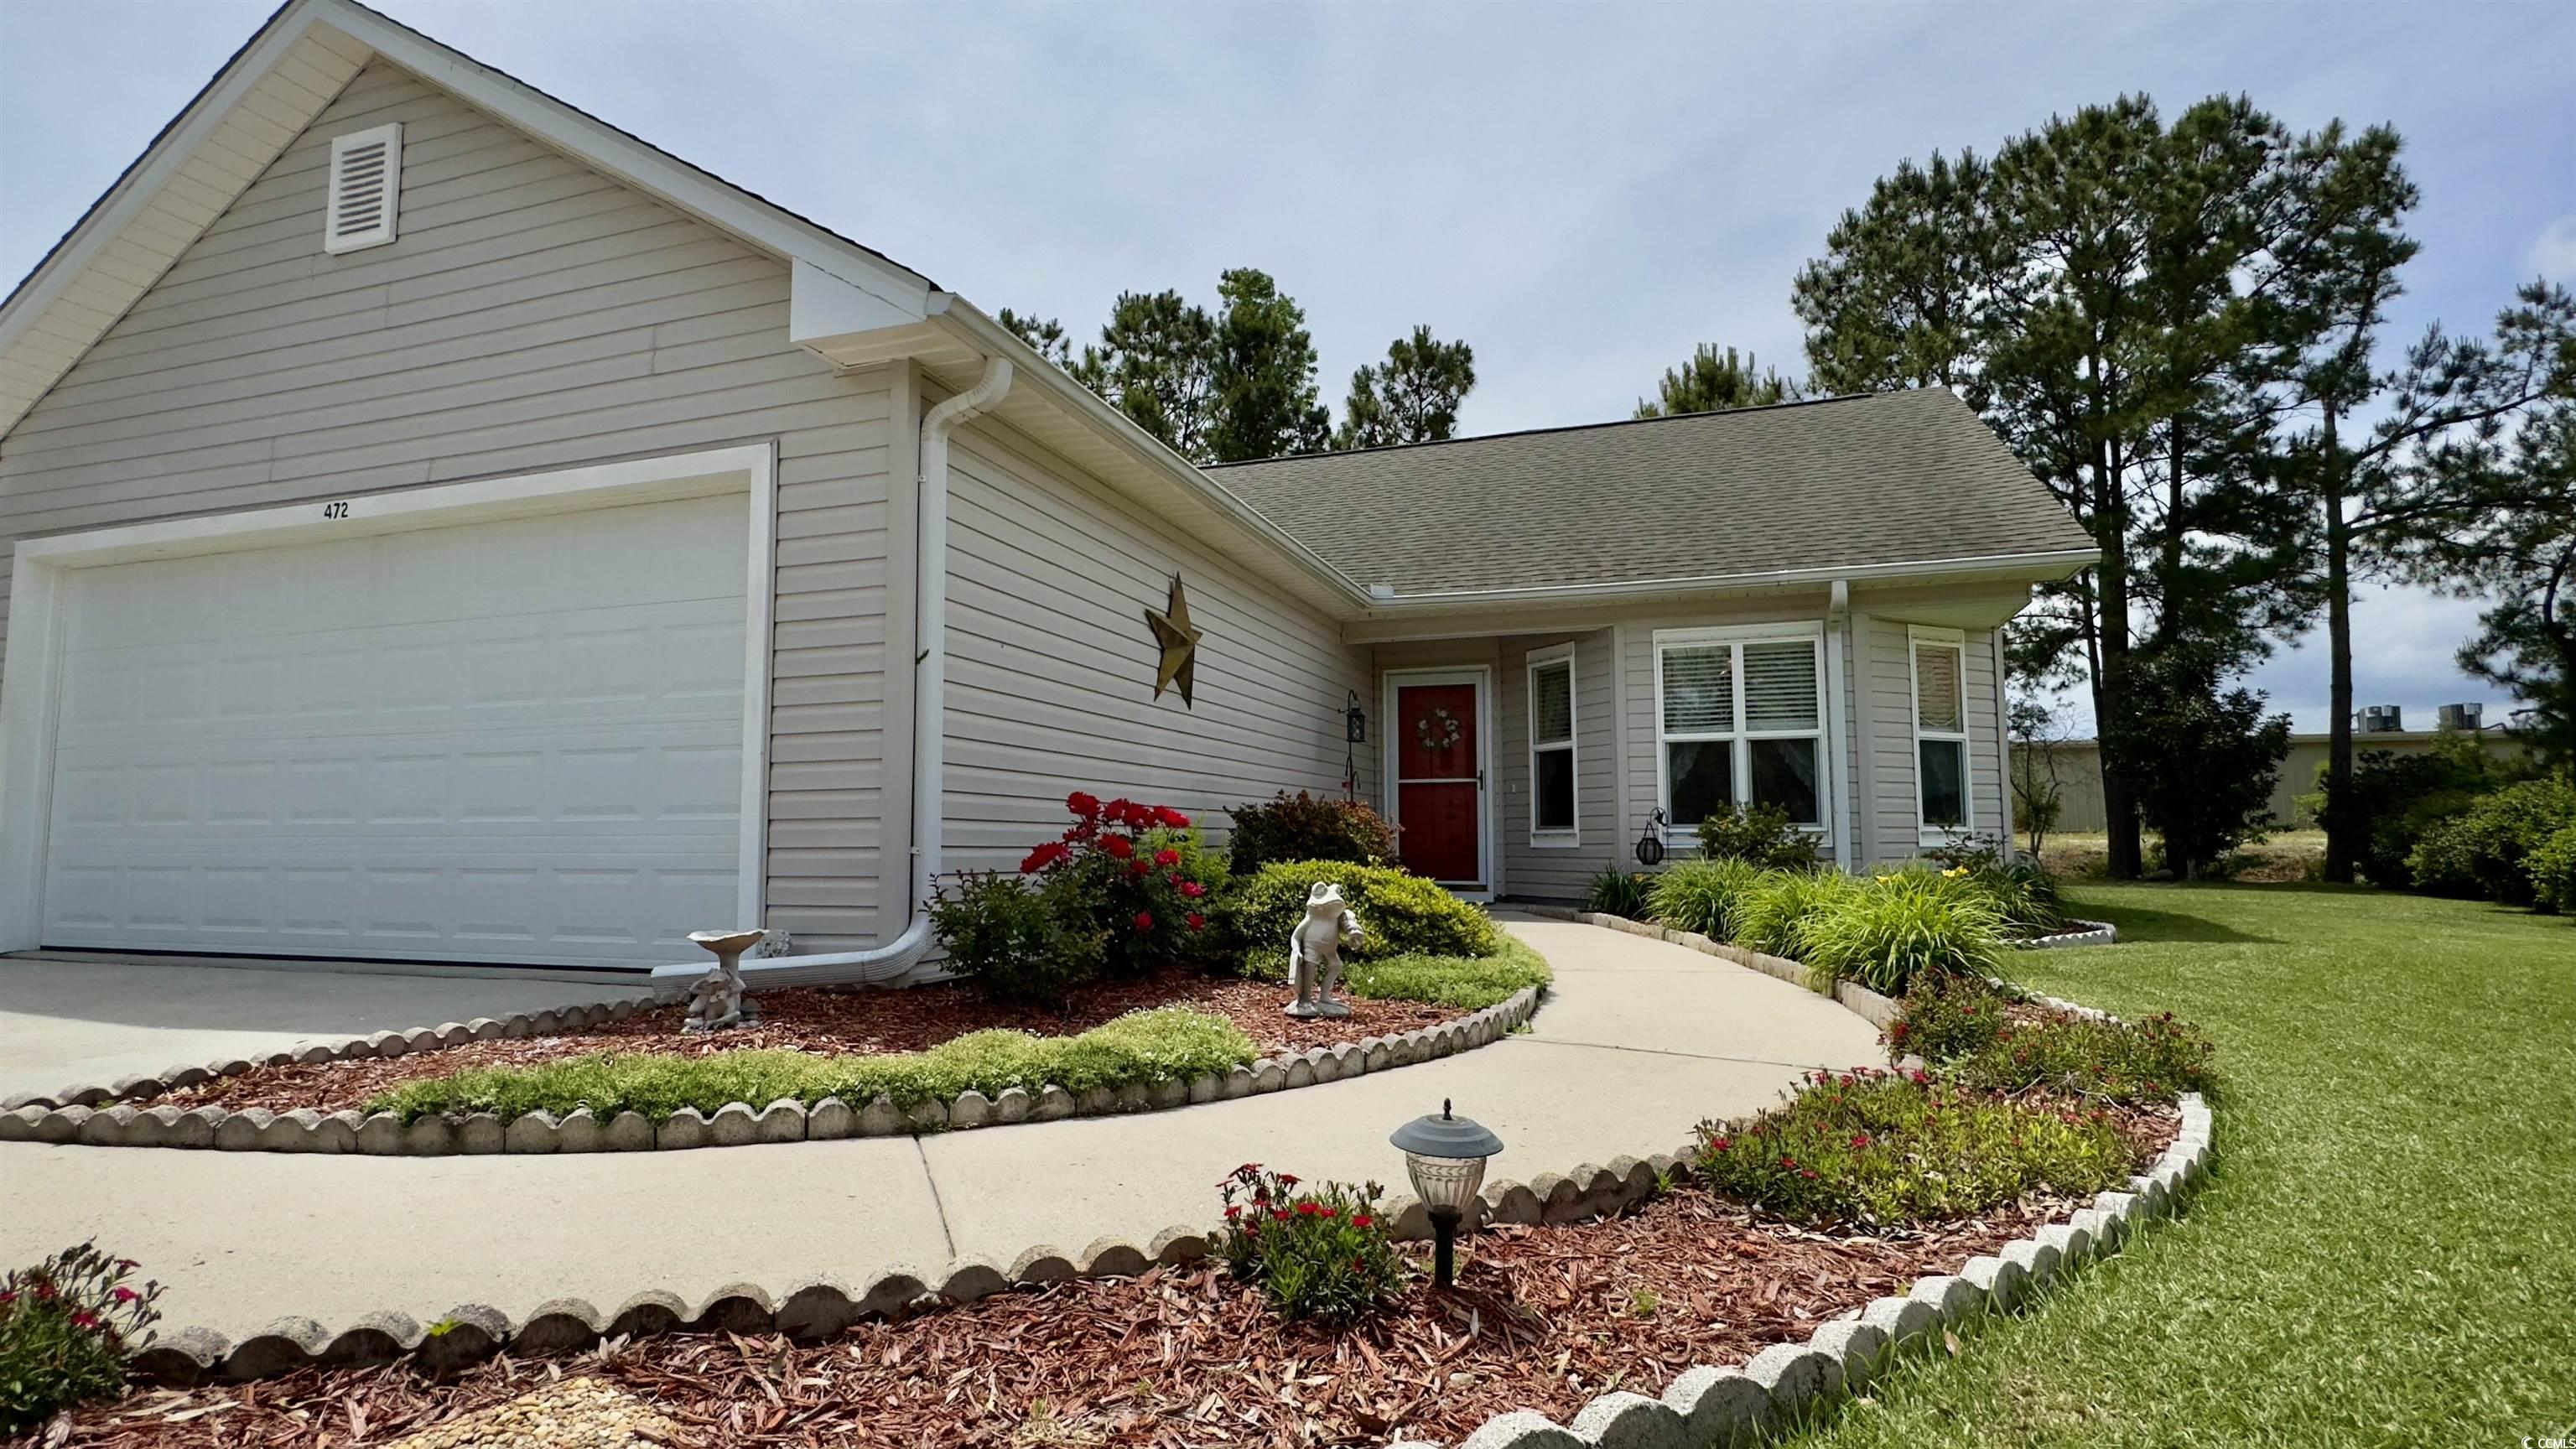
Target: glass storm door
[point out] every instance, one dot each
(1439, 778)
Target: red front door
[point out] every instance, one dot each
(1439, 789)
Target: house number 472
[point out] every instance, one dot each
(336, 510)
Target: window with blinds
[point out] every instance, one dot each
(1940, 730)
(1552, 785)
(1741, 723)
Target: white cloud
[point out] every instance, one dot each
(2553, 253)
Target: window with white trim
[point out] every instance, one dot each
(1551, 716)
(1940, 730)
(1740, 719)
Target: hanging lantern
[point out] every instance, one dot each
(1650, 846)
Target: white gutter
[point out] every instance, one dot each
(1837, 742)
(929, 732)
(2052, 563)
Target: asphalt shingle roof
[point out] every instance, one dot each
(1894, 478)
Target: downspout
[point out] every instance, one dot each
(929, 725)
(1837, 739)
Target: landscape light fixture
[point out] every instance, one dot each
(1445, 1155)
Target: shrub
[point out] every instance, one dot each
(2481, 852)
(1769, 917)
(1324, 1254)
(1466, 983)
(2154, 1060)
(66, 1327)
(2553, 873)
(1403, 914)
(2393, 799)
(1166, 1044)
(1876, 1148)
(1616, 892)
(1309, 827)
(1704, 895)
(2200, 761)
(1016, 940)
(1119, 869)
(1762, 834)
(2025, 895)
(1946, 1017)
(1903, 926)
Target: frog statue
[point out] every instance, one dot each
(1315, 951)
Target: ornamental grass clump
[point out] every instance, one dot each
(1323, 1254)
(1878, 1149)
(1705, 896)
(1616, 892)
(1771, 914)
(1903, 926)
(66, 1328)
(2154, 1060)
(1166, 1044)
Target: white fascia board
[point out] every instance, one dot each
(980, 332)
(2044, 566)
(822, 307)
(134, 191)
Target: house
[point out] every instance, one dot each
(441, 526)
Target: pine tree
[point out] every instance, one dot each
(1412, 397)
(1712, 382)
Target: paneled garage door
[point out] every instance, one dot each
(514, 741)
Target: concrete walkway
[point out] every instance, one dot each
(1641, 1041)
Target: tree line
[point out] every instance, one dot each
(2182, 328)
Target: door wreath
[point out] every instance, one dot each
(1438, 730)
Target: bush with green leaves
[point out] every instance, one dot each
(2154, 1060)
(2025, 895)
(1903, 926)
(1875, 1149)
(1762, 834)
(1704, 895)
(2553, 873)
(1324, 1254)
(1309, 827)
(1616, 892)
(1770, 915)
(1403, 914)
(1463, 983)
(2394, 799)
(1947, 1016)
(1165, 1044)
(1018, 939)
(67, 1326)
(2481, 852)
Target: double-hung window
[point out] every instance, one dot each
(1940, 730)
(1740, 720)
(1551, 716)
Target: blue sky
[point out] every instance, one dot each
(1582, 193)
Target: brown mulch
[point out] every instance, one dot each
(1543, 1318)
(830, 1020)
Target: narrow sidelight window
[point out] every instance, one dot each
(1551, 714)
(1940, 729)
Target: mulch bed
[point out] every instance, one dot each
(1543, 1318)
(818, 1019)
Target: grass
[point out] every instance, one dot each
(2386, 1253)
(2285, 855)
(1465, 983)
(1146, 1046)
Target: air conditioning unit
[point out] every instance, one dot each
(2381, 719)
(2463, 717)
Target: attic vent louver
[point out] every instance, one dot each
(366, 188)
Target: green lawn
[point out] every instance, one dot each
(2386, 1252)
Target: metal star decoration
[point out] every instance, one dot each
(1179, 643)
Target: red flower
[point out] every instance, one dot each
(1197, 921)
(1167, 857)
(1193, 889)
(1720, 1144)
(84, 1319)
(1118, 845)
(1144, 920)
(1042, 857)
(125, 1295)
(1280, 1215)
(1232, 1211)
(1139, 868)
(1121, 810)
(1287, 1179)
(1082, 803)
(1361, 1220)
(1170, 819)
(1860, 1139)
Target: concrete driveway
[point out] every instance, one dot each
(70, 1022)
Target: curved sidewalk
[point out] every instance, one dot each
(1640, 1042)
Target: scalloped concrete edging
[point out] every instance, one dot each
(2095, 933)
(78, 1116)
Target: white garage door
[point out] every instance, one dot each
(516, 742)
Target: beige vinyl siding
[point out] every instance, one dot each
(1051, 664)
(1892, 738)
(1558, 872)
(532, 315)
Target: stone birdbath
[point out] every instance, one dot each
(716, 1002)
